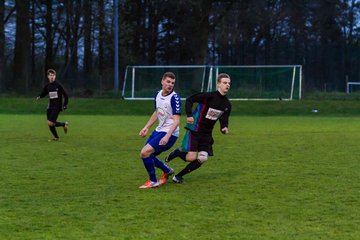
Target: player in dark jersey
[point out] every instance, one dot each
(56, 92)
(197, 142)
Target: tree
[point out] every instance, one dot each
(200, 37)
(49, 35)
(326, 43)
(297, 10)
(2, 43)
(22, 46)
(78, 38)
(33, 47)
(190, 24)
(188, 29)
(101, 38)
(351, 10)
(72, 35)
(87, 37)
(154, 14)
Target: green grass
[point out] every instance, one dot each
(82, 106)
(273, 177)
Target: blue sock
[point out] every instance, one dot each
(150, 167)
(159, 164)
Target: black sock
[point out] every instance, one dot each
(177, 153)
(182, 155)
(59, 124)
(53, 131)
(189, 168)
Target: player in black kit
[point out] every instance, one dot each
(197, 142)
(56, 92)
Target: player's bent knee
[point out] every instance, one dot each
(191, 156)
(144, 154)
(202, 156)
(51, 124)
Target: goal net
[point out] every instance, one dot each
(261, 82)
(142, 82)
(258, 82)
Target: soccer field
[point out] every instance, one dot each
(271, 178)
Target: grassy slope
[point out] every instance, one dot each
(275, 177)
(121, 107)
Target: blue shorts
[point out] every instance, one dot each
(154, 141)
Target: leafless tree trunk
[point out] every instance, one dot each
(22, 47)
(33, 66)
(72, 34)
(75, 26)
(87, 36)
(67, 34)
(155, 15)
(2, 44)
(320, 35)
(101, 22)
(49, 35)
(201, 31)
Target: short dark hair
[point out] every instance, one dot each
(52, 71)
(221, 76)
(168, 74)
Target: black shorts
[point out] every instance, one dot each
(52, 114)
(196, 142)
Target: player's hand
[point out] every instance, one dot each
(164, 140)
(64, 107)
(224, 130)
(143, 132)
(190, 120)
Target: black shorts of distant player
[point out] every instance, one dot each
(52, 114)
(197, 142)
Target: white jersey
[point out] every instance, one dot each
(166, 107)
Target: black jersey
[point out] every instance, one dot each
(56, 92)
(211, 107)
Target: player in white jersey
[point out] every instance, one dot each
(167, 112)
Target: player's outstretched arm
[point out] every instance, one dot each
(143, 132)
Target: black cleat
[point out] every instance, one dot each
(66, 124)
(172, 155)
(178, 179)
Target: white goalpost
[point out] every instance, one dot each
(253, 82)
(349, 86)
(140, 82)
